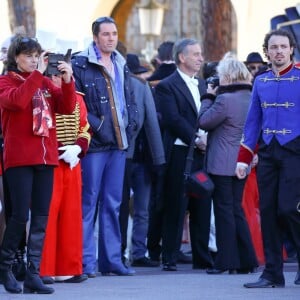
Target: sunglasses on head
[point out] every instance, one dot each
(104, 19)
(28, 39)
(101, 20)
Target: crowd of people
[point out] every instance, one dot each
(105, 139)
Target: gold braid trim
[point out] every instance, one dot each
(84, 133)
(67, 127)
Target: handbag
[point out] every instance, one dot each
(197, 184)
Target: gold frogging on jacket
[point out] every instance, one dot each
(291, 79)
(68, 127)
(275, 104)
(283, 131)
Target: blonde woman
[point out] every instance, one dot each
(223, 113)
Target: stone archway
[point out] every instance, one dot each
(121, 13)
(212, 22)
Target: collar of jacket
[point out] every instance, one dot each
(288, 68)
(92, 57)
(233, 88)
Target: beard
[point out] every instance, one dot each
(281, 63)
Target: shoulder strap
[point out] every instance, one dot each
(190, 156)
(113, 109)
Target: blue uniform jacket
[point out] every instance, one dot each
(275, 108)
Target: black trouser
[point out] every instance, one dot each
(8, 211)
(156, 207)
(278, 177)
(29, 188)
(234, 243)
(176, 204)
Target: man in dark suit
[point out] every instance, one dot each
(178, 98)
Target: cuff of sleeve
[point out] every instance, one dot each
(243, 165)
(208, 97)
(84, 145)
(245, 155)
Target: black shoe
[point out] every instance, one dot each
(123, 272)
(91, 275)
(169, 267)
(145, 262)
(264, 283)
(213, 271)
(47, 280)
(76, 278)
(297, 278)
(33, 284)
(10, 283)
(184, 259)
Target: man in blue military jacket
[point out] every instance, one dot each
(273, 124)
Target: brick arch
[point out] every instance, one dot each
(121, 13)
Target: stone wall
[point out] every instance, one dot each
(181, 19)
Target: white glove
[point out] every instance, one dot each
(70, 155)
(241, 170)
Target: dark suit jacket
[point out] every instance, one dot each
(178, 110)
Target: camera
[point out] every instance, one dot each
(53, 61)
(214, 81)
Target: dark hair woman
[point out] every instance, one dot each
(28, 103)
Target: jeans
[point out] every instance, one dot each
(102, 178)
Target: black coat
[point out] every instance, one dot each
(163, 71)
(178, 110)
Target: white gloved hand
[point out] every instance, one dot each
(241, 170)
(70, 155)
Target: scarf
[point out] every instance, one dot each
(42, 119)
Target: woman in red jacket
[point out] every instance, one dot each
(28, 102)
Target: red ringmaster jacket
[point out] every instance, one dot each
(21, 146)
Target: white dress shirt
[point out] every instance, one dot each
(192, 84)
